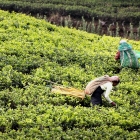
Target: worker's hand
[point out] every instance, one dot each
(113, 104)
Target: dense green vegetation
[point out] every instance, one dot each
(33, 55)
(124, 10)
(110, 17)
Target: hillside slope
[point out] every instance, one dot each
(34, 55)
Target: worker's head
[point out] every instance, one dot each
(115, 80)
(123, 41)
(115, 83)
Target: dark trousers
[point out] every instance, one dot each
(96, 98)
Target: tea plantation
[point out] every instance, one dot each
(35, 55)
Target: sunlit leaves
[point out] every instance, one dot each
(35, 55)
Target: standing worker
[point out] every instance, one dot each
(127, 56)
(101, 86)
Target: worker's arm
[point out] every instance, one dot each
(117, 56)
(107, 87)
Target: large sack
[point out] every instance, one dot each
(94, 84)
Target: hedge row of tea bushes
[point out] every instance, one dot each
(123, 10)
(34, 55)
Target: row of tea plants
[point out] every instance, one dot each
(114, 18)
